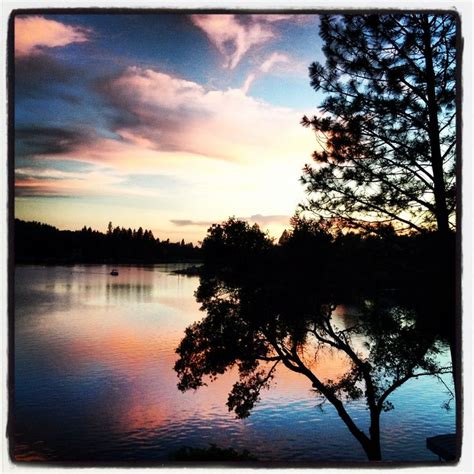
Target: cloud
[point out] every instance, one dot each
(227, 150)
(235, 35)
(189, 222)
(248, 82)
(261, 220)
(297, 18)
(272, 60)
(35, 33)
(41, 140)
(39, 75)
(167, 113)
(231, 36)
(46, 173)
(264, 68)
(272, 18)
(49, 182)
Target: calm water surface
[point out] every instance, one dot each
(94, 380)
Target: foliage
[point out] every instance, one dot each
(259, 317)
(36, 242)
(387, 128)
(234, 240)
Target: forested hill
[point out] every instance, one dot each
(35, 242)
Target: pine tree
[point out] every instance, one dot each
(387, 128)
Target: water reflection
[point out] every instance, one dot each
(94, 379)
(125, 291)
(258, 319)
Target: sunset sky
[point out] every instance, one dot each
(167, 121)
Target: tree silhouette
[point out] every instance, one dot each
(234, 241)
(386, 135)
(255, 325)
(259, 316)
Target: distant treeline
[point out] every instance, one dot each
(42, 243)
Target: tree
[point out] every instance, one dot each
(387, 132)
(283, 237)
(258, 319)
(234, 240)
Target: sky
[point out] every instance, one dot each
(171, 122)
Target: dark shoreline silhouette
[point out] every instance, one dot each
(39, 243)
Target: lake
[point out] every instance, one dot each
(94, 381)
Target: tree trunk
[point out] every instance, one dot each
(441, 212)
(371, 449)
(373, 452)
(371, 445)
(446, 272)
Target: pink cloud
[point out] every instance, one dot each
(171, 114)
(264, 68)
(272, 17)
(52, 182)
(248, 82)
(190, 222)
(235, 35)
(261, 220)
(248, 149)
(156, 88)
(232, 37)
(33, 33)
(287, 17)
(272, 60)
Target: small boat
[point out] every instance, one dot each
(114, 272)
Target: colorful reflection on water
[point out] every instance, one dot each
(94, 380)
